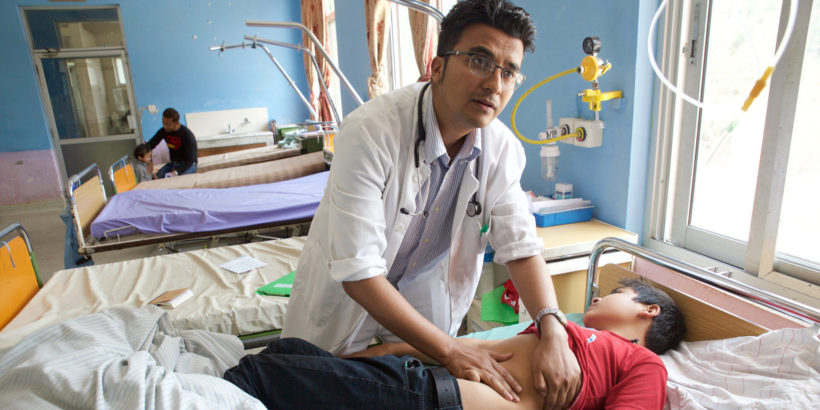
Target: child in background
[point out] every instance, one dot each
(142, 166)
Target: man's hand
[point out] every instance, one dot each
(481, 365)
(556, 373)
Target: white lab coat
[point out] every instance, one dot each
(358, 228)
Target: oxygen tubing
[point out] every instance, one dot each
(523, 96)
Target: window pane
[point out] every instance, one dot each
(74, 28)
(799, 219)
(741, 44)
(86, 98)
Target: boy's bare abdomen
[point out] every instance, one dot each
(480, 396)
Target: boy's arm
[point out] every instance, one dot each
(400, 349)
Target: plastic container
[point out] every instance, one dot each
(563, 217)
(549, 161)
(563, 191)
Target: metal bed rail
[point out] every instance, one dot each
(781, 304)
(15, 230)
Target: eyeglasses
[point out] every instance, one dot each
(484, 67)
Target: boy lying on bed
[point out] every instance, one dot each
(617, 362)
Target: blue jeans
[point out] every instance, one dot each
(175, 166)
(293, 373)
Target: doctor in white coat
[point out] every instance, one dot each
(421, 180)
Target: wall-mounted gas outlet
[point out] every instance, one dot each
(592, 132)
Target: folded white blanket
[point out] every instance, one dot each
(124, 358)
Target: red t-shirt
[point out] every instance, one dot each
(616, 373)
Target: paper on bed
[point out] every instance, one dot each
(778, 369)
(242, 264)
(212, 209)
(124, 358)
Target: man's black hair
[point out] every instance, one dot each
(141, 150)
(499, 14)
(171, 114)
(667, 329)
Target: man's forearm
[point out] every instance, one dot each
(533, 282)
(399, 349)
(382, 301)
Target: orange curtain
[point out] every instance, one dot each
(425, 38)
(313, 17)
(376, 20)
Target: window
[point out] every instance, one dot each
(402, 67)
(739, 188)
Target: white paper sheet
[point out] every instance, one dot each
(242, 264)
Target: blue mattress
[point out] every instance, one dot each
(204, 210)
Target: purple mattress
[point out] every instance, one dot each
(209, 209)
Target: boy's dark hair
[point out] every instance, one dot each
(141, 150)
(499, 14)
(668, 328)
(171, 114)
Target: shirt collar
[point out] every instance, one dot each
(434, 146)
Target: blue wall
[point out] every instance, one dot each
(612, 176)
(167, 45)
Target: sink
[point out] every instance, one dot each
(238, 138)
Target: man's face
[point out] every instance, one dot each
(467, 101)
(614, 309)
(169, 124)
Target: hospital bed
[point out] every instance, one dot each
(272, 200)
(743, 348)
(223, 301)
(769, 360)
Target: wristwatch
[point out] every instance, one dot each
(550, 311)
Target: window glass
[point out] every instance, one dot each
(799, 219)
(728, 149)
(74, 28)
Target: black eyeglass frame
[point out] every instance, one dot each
(475, 60)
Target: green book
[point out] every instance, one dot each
(279, 287)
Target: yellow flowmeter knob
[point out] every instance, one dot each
(590, 68)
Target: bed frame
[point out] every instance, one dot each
(714, 306)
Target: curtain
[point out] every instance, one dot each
(425, 38)
(376, 14)
(314, 18)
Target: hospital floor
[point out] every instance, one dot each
(47, 233)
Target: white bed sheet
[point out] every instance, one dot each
(779, 369)
(122, 358)
(223, 301)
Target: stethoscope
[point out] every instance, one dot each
(473, 207)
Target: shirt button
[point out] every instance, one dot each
(413, 264)
(415, 178)
(426, 240)
(399, 227)
(436, 209)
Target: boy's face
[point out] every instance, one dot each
(146, 158)
(614, 309)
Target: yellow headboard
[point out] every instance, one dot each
(18, 273)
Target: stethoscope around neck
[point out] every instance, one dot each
(473, 207)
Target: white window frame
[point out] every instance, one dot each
(667, 228)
